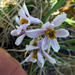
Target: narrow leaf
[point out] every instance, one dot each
(69, 48)
(57, 5)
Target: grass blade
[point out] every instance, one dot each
(57, 5)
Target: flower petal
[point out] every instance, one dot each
(30, 59)
(55, 45)
(17, 20)
(40, 59)
(34, 33)
(19, 39)
(17, 31)
(26, 10)
(14, 32)
(45, 43)
(47, 25)
(21, 13)
(29, 47)
(34, 20)
(62, 33)
(49, 58)
(59, 19)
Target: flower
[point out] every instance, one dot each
(24, 21)
(37, 55)
(25, 18)
(51, 34)
(21, 32)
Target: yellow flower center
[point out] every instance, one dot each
(35, 54)
(23, 21)
(50, 33)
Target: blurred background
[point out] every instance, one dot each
(46, 10)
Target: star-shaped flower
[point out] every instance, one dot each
(24, 21)
(25, 17)
(37, 55)
(51, 34)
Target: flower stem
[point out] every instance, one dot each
(30, 70)
(40, 71)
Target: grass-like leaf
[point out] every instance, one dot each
(68, 41)
(69, 48)
(57, 5)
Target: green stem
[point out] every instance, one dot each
(30, 70)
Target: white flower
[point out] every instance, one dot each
(51, 34)
(24, 21)
(21, 32)
(37, 55)
(25, 18)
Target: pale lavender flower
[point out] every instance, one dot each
(21, 32)
(25, 18)
(24, 21)
(37, 55)
(51, 34)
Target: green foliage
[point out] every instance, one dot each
(70, 21)
(68, 41)
(68, 48)
(57, 6)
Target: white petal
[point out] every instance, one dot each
(34, 20)
(34, 33)
(14, 32)
(55, 45)
(17, 20)
(49, 58)
(29, 47)
(62, 33)
(26, 10)
(19, 39)
(59, 19)
(19, 30)
(40, 60)
(30, 59)
(45, 43)
(17, 27)
(21, 13)
(47, 25)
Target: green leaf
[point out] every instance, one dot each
(68, 41)
(69, 48)
(70, 21)
(57, 5)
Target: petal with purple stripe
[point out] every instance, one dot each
(49, 58)
(35, 33)
(19, 39)
(59, 19)
(55, 45)
(62, 33)
(30, 47)
(40, 59)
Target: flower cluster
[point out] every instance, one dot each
(39, 52)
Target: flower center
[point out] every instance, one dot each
(35, 54)
(23, 21)
(50, 33)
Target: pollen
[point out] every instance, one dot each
(50, 33)
(23, 21)
(35, 54)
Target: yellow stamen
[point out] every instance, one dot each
(35, 54)
(23, 21)
(50, 33)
